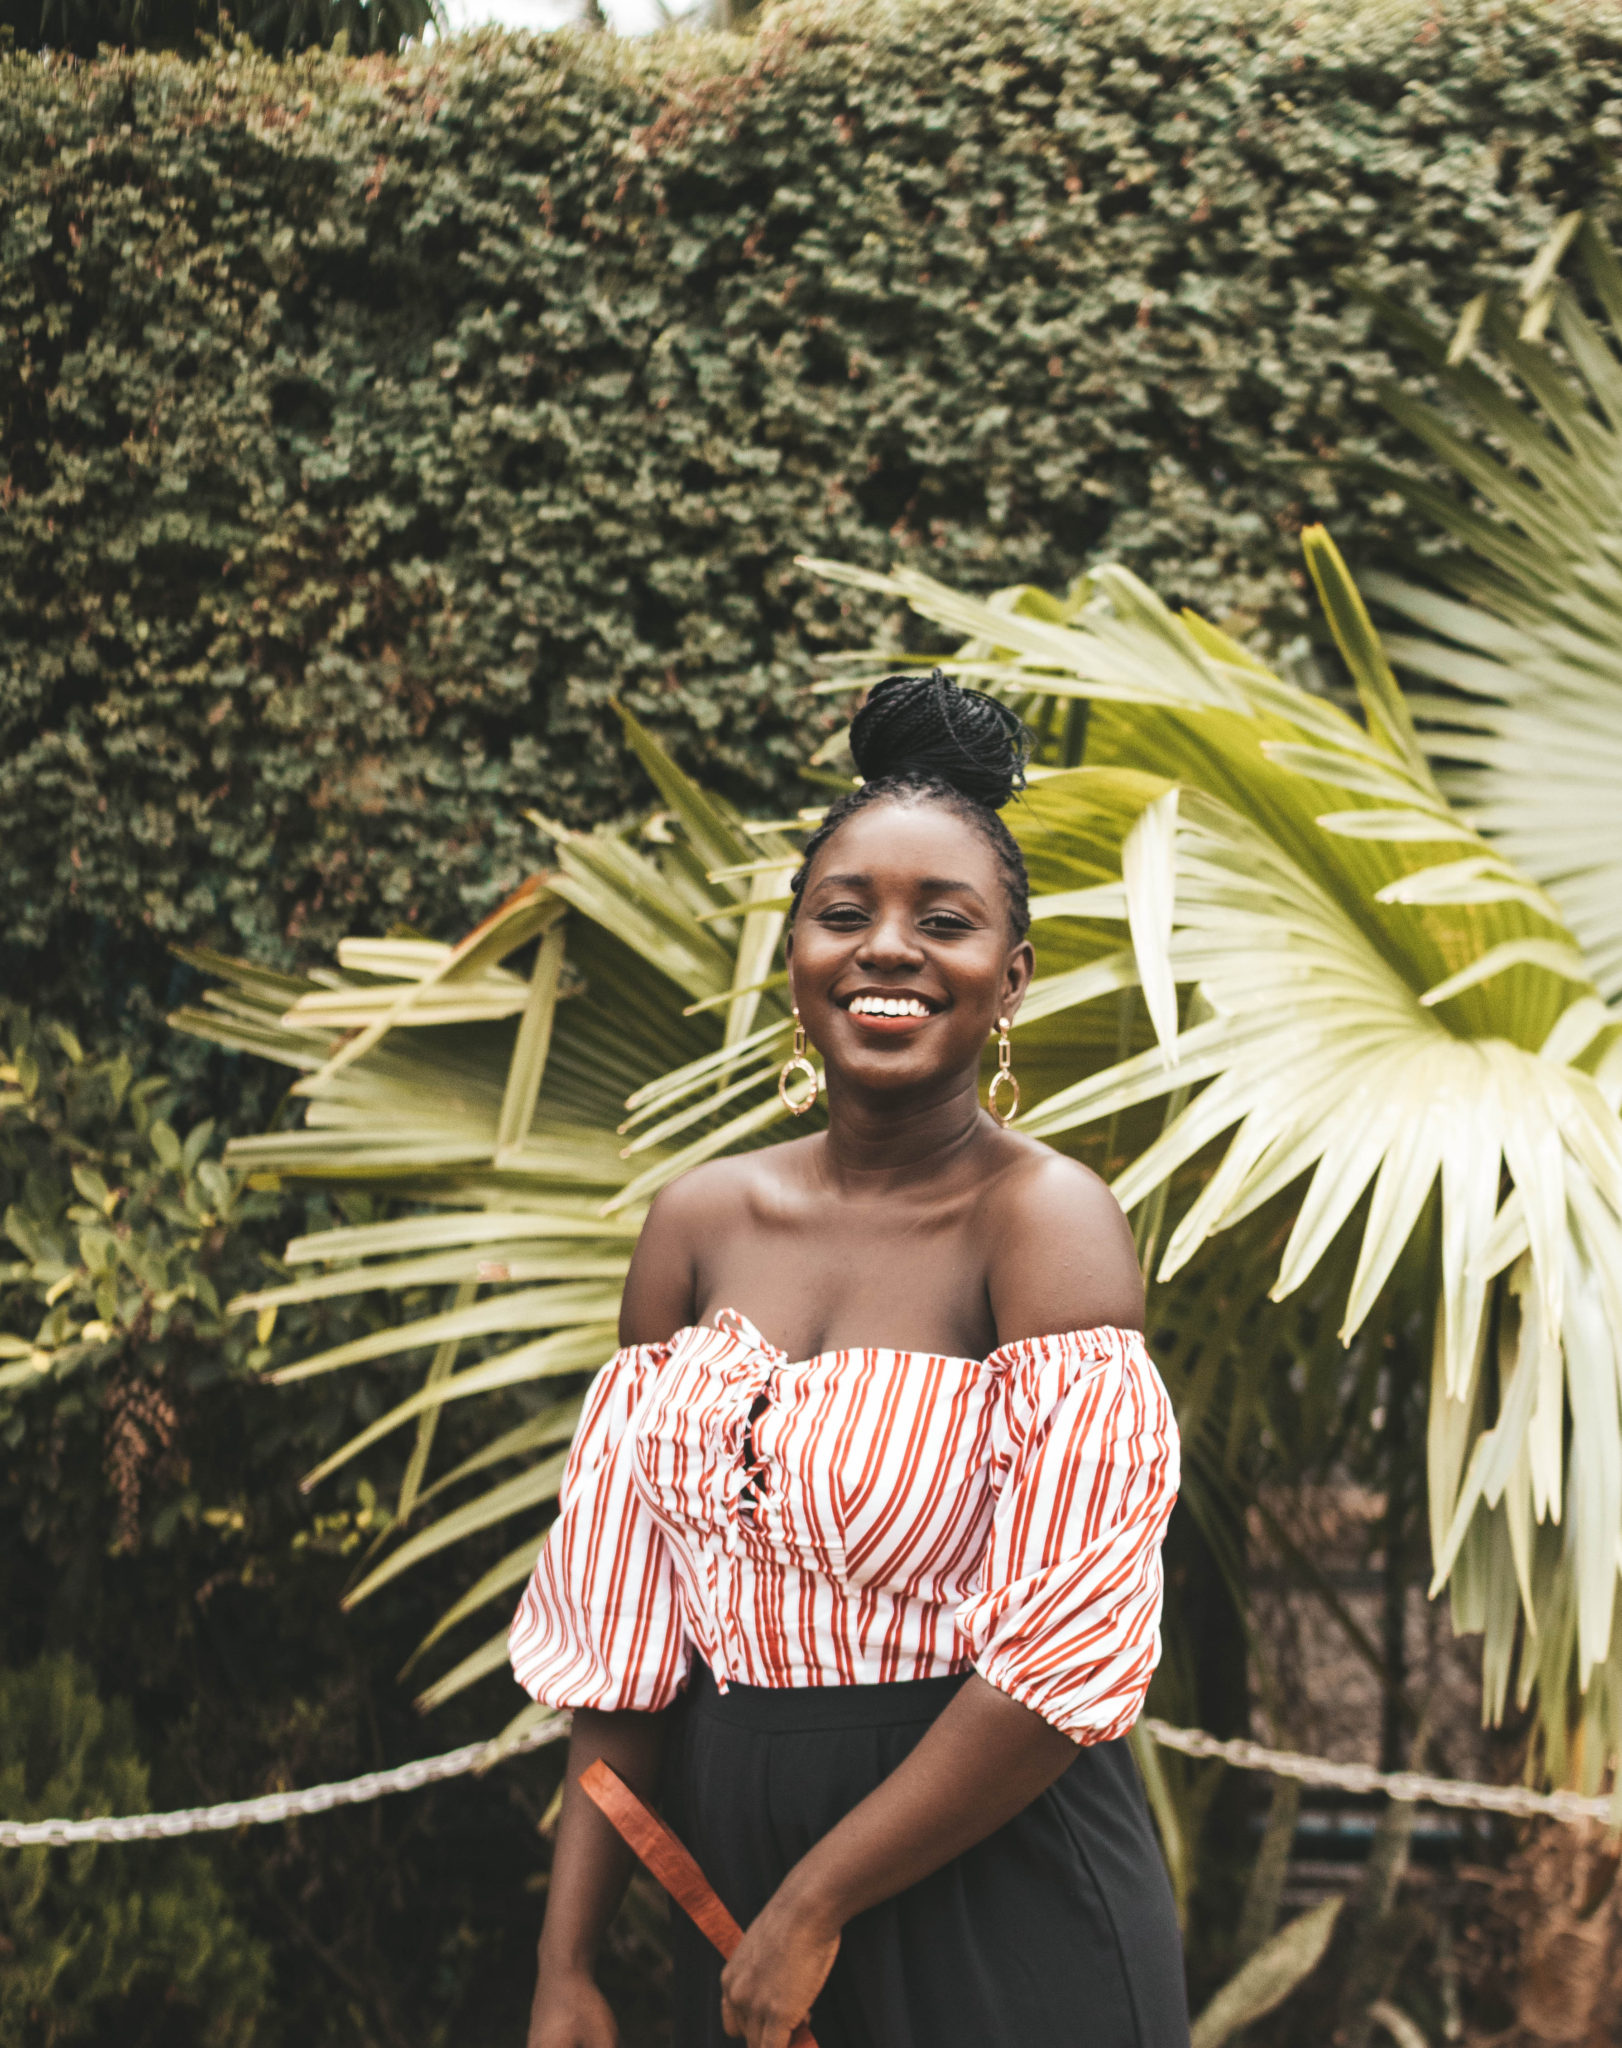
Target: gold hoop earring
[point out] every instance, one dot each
(1004, 1076)
(798, 1067)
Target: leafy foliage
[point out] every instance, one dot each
(439, 1074)
(125, 1236)
(367, 425)
(92, 1946)
(148, 1488)
(1528, 735)
(82, 27)
(1381, 1015)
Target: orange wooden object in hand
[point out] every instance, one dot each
(670, 1861)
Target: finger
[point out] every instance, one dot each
(731, 2023)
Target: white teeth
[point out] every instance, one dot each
(888, 1006)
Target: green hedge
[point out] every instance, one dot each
(81, 27)
(367, 425)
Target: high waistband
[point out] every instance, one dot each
(802, 1709)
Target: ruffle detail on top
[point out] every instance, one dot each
(859, 1516)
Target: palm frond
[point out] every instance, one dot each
(483, 1085)
(1308, 1015)
(1526, 727)
(1378, 1011)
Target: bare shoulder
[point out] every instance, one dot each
(1062, 1255)
(1042, 1182)
(682, 1218)
(659, 1288)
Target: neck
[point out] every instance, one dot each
(875, 1144)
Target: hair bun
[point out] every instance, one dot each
(927, 728)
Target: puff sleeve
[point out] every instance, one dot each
(600, 1623)
(1066, 1617)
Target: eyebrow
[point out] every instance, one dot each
(861, 881)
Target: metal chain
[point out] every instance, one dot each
(1409, 1786)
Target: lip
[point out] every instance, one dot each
(890, 1027)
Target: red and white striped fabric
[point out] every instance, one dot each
(861, 1516)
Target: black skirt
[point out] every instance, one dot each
(1058, 1931)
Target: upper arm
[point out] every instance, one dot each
(658, 1298)
(1063, 1256)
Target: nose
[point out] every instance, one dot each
(890, 942)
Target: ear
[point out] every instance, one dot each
(1016, 979)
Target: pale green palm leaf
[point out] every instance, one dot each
(1380, 1012)
(1527, 728)
(492, 1090)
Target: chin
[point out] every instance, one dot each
(895, 1073)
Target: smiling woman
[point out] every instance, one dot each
(923, 741)
(872, 1601)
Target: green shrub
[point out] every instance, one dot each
(126, 1239)
(154, 1525)
(105, 1943)
(367, 425)
(82, 26)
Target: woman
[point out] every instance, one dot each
(857, 1564)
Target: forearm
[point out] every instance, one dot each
(982, 1762)
(591, 1864)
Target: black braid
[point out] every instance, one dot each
(923, 739)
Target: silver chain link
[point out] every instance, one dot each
(1409, 1786)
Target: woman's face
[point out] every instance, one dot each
(900, 957)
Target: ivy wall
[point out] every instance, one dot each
(365, 426)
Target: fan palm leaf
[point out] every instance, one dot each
(1526, 641)
(1361, 1009)
(484, 1085)
(1304, 1011)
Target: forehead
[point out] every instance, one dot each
(900, 845)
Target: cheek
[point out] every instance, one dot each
(817, 954)
(977, 973)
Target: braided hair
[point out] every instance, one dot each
(924, 739)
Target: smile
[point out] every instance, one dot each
(889, 1006)
(889, 1013)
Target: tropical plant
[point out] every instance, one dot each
(91, 1951)
(1528, 738)
(495, 1102)
(1346, 1015)
(1407, 1089)
(1374, 1028)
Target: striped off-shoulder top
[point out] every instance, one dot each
(857, 1517)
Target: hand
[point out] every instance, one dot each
(777, 1970)
(570, 2012)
